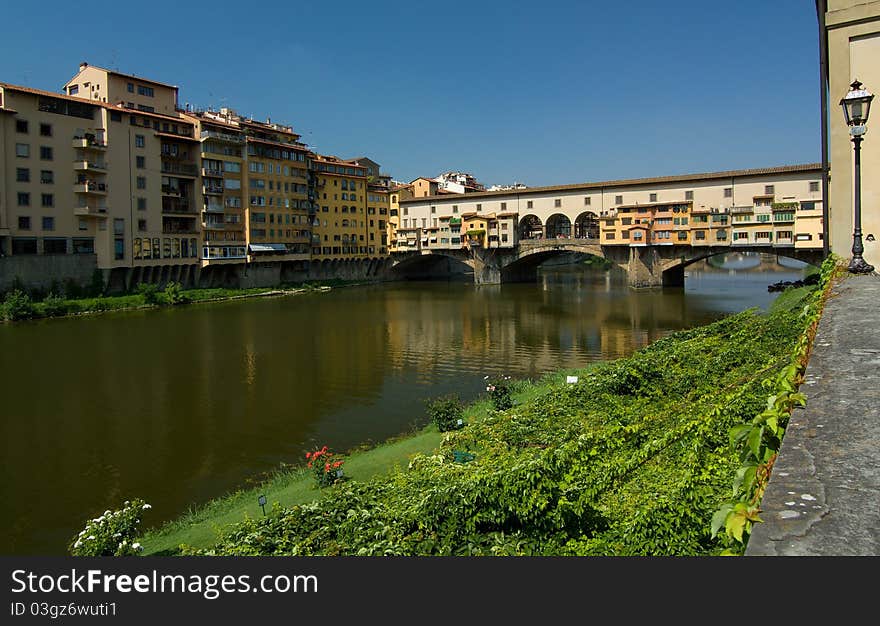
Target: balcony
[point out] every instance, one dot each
(741, 209)
(177, 206)
(173, 192)
(90, 187)
(213, 134)
(212, 190)
(181, 169)
(213, 173)
(88, 142)
(214, 208)
(87, 166)
(90, 211)
(179, 230)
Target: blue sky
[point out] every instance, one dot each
(536, 92)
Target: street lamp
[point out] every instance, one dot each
(856, 107)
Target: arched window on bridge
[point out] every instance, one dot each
(530, 227)
(558, 227)
(586, 226)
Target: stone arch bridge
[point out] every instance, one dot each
(646, 266)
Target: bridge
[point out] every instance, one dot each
(660, 265)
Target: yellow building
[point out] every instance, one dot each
(850, 49)
(340, 223)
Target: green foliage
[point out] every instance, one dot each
(326, 465)
(499, 390)
(149, 292)
(96, 286)
(757, 441)
(447, 413)
(112, 533)
(72, 289)
(634, 459)
(54, 306)
(173, 294)
(17, 306)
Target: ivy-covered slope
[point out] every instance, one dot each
(634, 459)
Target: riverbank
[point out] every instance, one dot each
(628, 429)
(19, 306)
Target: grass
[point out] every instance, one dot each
(201, 527)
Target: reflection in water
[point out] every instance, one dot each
(179, 406)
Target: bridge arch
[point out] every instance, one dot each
(437, 264)
(524, 267)
(586, 226)
(558, 227)
(531, 227)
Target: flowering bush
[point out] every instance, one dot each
(499, 392)
(112, 533)
(447, 413)
(326, 466)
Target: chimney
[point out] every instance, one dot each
(83, 66)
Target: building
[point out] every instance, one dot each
(850, 50)
(88, 177)
(459, 182)
(340, 223)
(779, 206)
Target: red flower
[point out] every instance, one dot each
(327, 467)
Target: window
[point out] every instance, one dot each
(115, 116)
(728, 192)
(682, 235)
(24, 199)
(22, 150)
(609, 235)
(54, 245)
(637, 235)
(138, 141)
(141, 204)
(46, 130)
(700, 234)
(688, 195)
(21, 126)
(140, 162)
(118, 226)
(807, 206)
(145, 91)
(47, 177)
(618, 199)
(814, 186)
(24, 222)
(83, 245)
(46, 153)
(528, 204)
(130, 87)
(455, 208)
(479, 207)
(48, 223)
(22, 175)
(142, 225)
(83, 224)
(652, 197)
(48, 200)
(141, 182)
(768, 190)
(503, 206)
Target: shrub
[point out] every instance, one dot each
(326, 466)
(446, 412)
(149, 291)
(499, 392)
(54, 305)
(96, 286)
(174, 294)
(72, 289)
(17, 306)
(111, 534)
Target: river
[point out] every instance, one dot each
(177, 406)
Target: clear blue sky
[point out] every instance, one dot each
(537, 92)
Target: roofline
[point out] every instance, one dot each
(116, 73)
(631, 182)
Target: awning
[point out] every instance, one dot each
(268, 247)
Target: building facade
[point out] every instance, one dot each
(850, 50)
(779, 206)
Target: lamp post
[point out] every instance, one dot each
(856, 107)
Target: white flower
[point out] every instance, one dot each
(90, 537)
(146, 506)
(137, 546)
(117, 535)
(77, 544)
